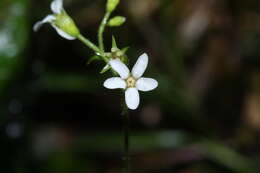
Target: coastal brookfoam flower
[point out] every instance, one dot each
(131, 82)
(60, 20)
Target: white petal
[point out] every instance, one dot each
(47, 19)
(146, 84)
(57, 6)
(140, 66)
(132, 98)
(114, 83)
(63, 34)
(120, 68)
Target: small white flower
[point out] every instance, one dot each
(60, 21)
(131, 82)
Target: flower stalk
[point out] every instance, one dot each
(101, 31)
(89, 44)
(126, 131)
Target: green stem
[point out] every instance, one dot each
(126, 157)
(101, 31)
(92, 46)
(88, 43)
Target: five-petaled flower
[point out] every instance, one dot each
(131, 82)
(60, 20)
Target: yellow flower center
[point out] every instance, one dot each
(130, 82)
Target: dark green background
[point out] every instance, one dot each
(56, 117)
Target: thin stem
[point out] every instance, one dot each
(101, 31)
(92, 46)
(88, 43)
(126, 157)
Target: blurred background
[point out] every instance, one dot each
(56, 117)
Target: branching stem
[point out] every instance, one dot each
(92, 46)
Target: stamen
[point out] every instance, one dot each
(130, 81)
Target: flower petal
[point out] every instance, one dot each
(63, 34)
(57, 6)
(146, 84)
(114, 83)
(47, 19)
(132, 98)
(140, 66)
(120, 68)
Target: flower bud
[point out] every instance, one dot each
(66, 24)
(112, 4)
(116, 21)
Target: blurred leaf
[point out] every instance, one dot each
(228, 157)
(65, 162)
(63, 81)
(13, 39)
(139, 141)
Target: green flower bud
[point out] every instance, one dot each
(112, 4)
(66, 24)
(116, 21)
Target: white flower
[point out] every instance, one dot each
(131, 82)
(63, 24)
